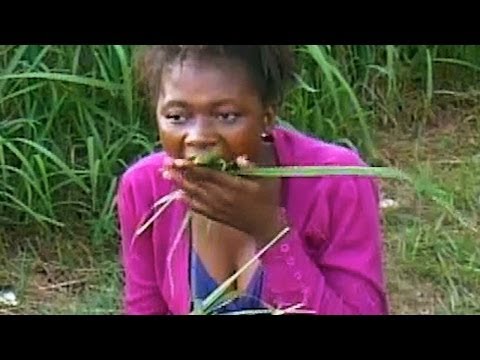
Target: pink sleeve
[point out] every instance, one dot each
(345, 277)
(141, 292)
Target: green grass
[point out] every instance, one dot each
(102, 298)
(54, 277)
(70, 123)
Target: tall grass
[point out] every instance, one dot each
(346, 90)
(70, 123)
(71, 119)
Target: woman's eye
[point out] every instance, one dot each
(228, 117)
(176, 118)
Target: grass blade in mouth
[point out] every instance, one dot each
(316, 171)
(213, 161)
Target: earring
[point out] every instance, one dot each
(267, 137)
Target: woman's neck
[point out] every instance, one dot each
(268, 155)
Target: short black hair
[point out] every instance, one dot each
(272, 67)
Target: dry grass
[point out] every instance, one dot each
(56, 278)
(433, 262)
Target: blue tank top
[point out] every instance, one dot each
(203, 285)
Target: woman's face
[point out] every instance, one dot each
(211, 106)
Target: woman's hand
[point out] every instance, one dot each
(249, 205)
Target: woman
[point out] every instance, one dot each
(224, 99)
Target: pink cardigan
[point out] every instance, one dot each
(331, 261)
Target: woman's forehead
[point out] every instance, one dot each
(220, 77)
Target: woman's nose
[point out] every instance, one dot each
(202, 135)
